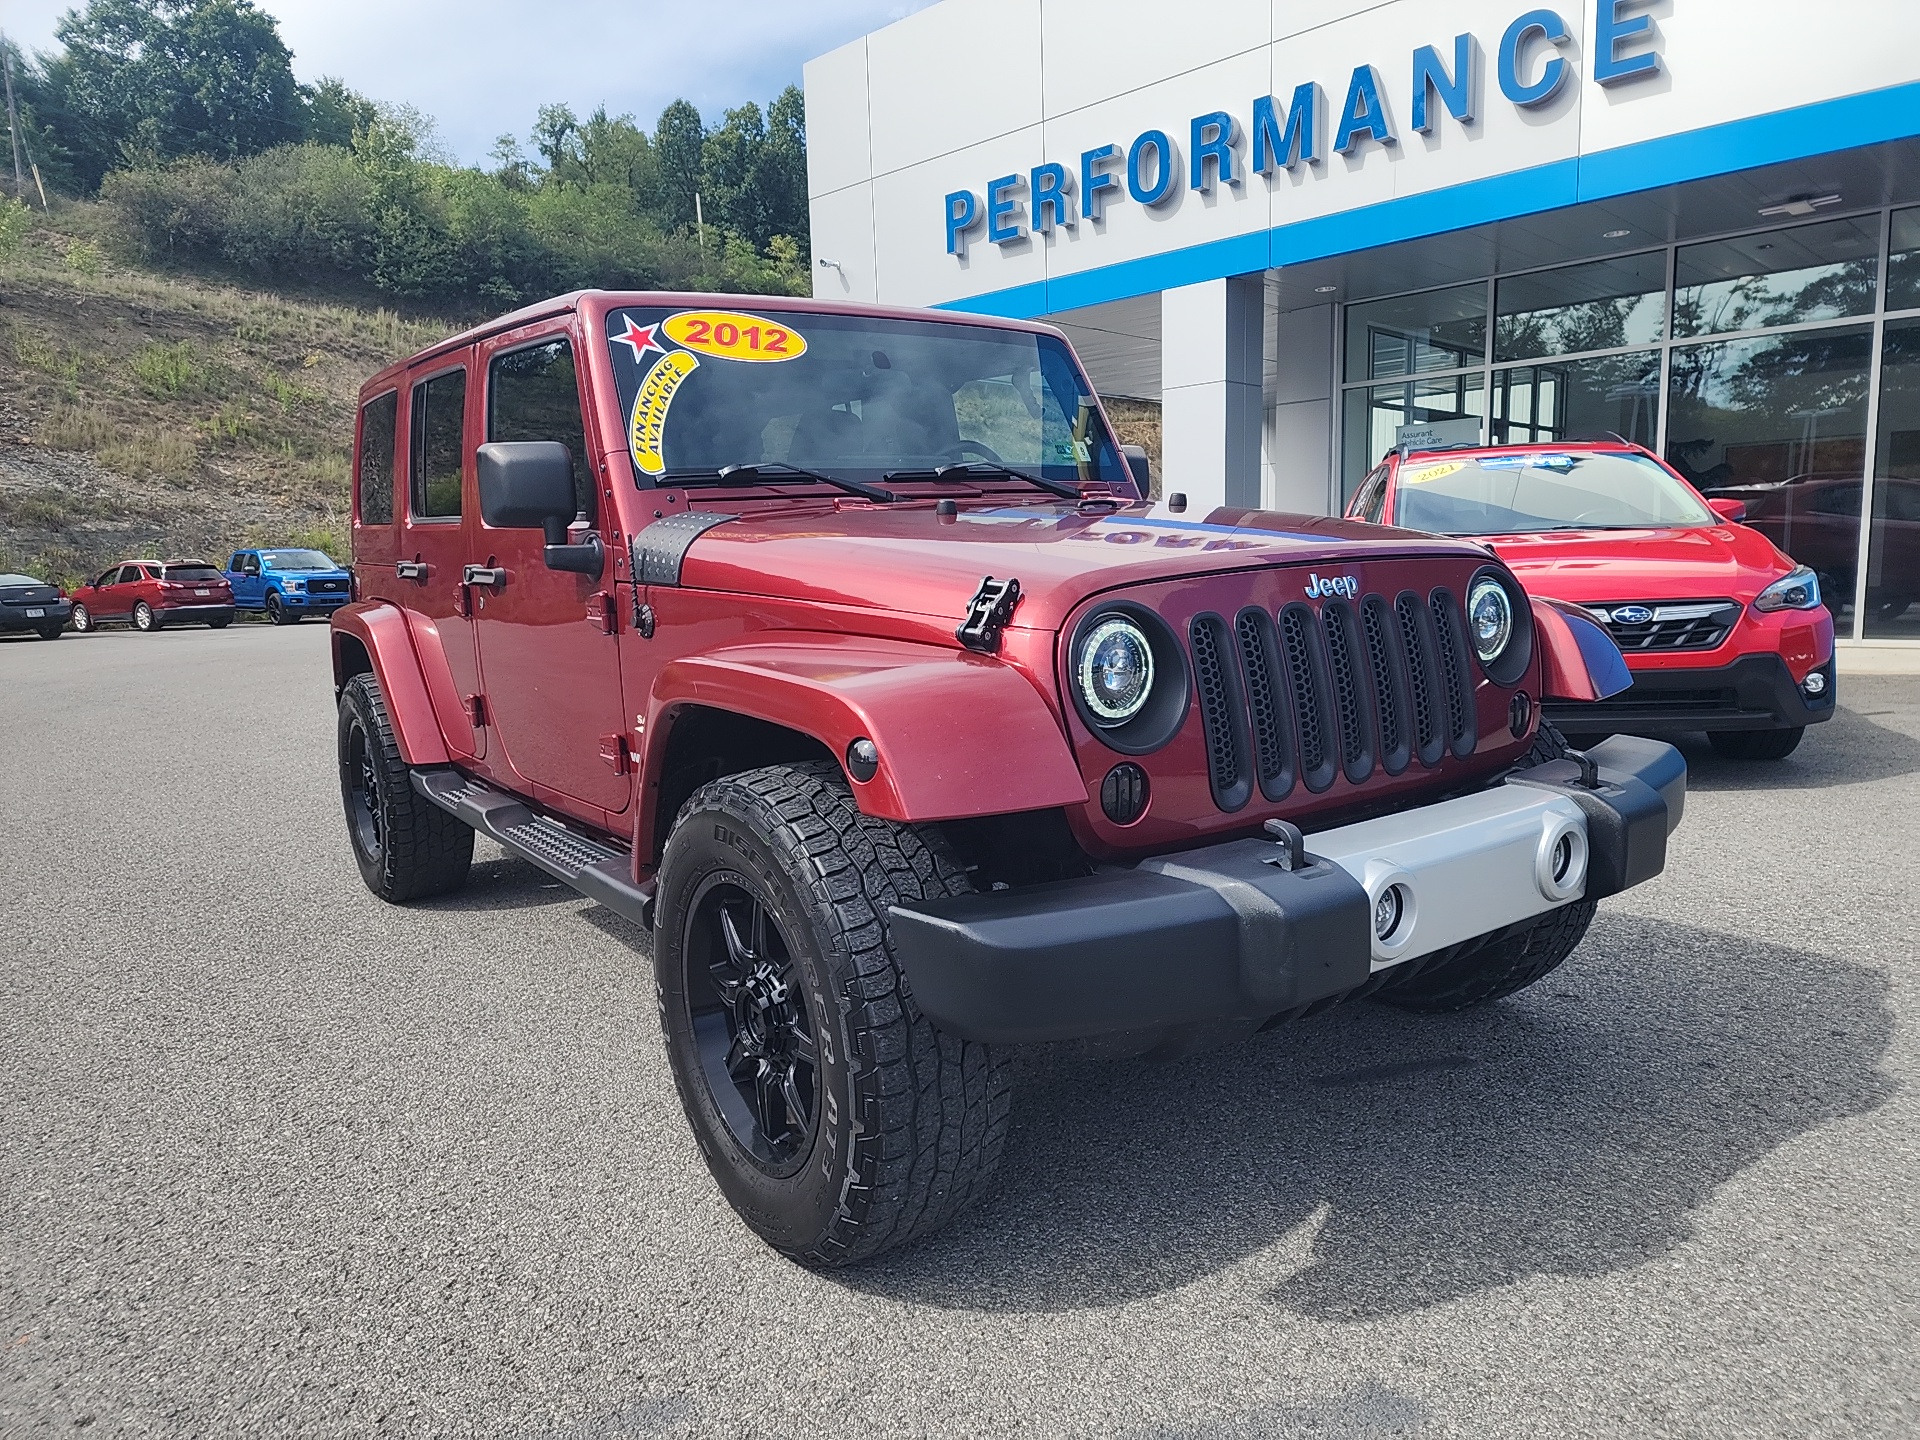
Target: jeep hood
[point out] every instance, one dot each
(908, 559)
(1589, 566)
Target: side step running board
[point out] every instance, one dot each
(597, 871)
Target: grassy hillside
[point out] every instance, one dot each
(152, 413)
(164, 413)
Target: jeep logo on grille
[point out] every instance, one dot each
(1631, 615)
(1319, 587)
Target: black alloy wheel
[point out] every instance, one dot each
(406, 847)
(276, 612)
(749, 1015)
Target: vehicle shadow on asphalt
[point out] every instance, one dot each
(1411, 1160)
(503, 882)
(1849, 749)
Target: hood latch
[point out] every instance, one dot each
(987, 614)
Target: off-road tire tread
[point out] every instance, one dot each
(425, 850)
(1497, 965)
(930, 1111)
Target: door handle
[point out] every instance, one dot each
(492, 576)
(412, 570)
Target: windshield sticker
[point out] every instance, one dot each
(1431, 472)
(639, 339)
(730, 335)
(648, 426)
(1525, 462)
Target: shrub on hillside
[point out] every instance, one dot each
(300, 205)
(174, 212)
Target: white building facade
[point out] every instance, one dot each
(1310, 229)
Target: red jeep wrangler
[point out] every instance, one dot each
(839, 647)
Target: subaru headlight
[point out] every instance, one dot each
(1797, 591)
(1489, 619)
(1115, 671)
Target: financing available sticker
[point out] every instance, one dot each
(648, 426)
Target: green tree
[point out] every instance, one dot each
(678, 142)
(334, 112)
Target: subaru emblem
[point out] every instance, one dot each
(1631, 615)
(1319, 587)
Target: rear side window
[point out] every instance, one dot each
(532, 394)
(439, 408)
(375, 480)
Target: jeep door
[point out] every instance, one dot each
(549, 654)
(439, 420)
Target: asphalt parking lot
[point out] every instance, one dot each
(277, 1159)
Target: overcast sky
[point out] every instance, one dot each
(481, 67)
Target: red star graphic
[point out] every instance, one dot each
(639, 338)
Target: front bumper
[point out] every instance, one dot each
(1225, 933)
(1755, 692)
(299, 600)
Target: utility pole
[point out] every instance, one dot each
(13, 126)
(699, 224)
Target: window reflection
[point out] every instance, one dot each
(1893, 543)
(1814, 272)
(1417, 334)
(1903, 261)
(1568, 399)
(1780, 423)
(1375, 416)
(1604, 306)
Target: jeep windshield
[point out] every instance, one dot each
(855, 397)
(1516, 494)
(296, 560)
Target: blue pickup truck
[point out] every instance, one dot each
(288, 584)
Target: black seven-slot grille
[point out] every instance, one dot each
(1304, 696)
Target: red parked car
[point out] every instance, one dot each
(1721, 631)
(152, 594)
(840, 648)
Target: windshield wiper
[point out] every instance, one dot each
(983, 467)
(750, 473)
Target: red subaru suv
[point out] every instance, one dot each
(1721, 631)
(151, 594)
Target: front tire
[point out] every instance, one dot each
(145, 618)
(276, 612)
(1756, 744)
(1504, 961)
(82, 619)
(836, 1119)
(407, 848)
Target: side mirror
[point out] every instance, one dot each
(528, 485)
(1731, 511)
(1140, 465)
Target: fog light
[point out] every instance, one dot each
(1816, 683)
(1387, 911)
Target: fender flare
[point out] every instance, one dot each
(959, 734)
(379, 630)
(1578, 659)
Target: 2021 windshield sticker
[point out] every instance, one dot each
(648, 426)
(732, 335)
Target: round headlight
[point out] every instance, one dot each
(1115, 671)
(1489, 619)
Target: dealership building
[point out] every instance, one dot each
(1311, 230)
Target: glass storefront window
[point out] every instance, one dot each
(1568, 399)
(1780, 423)
(1903, 261)
(1782, 277)
(1375, 415)
(1604, 306)
(1893, 541)
(1417, 334)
